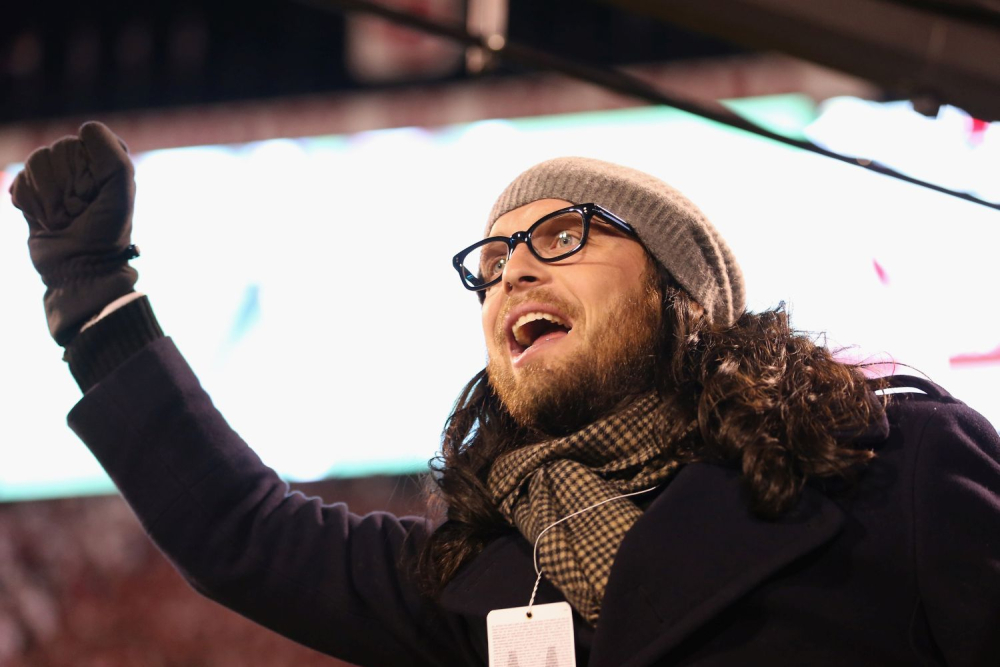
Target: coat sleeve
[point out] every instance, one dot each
(316, 573)
(957, 534)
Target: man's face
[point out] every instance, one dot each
(568, 341)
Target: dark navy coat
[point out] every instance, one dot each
(903, 569)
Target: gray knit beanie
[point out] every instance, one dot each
(674, 230)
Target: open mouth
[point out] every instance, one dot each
(535, 327)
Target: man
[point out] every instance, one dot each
(700, 484)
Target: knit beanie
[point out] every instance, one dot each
(671, 227)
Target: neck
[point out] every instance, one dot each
(569, 419)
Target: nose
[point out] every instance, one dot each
(523, 269)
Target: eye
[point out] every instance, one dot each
(496, 266)
(558, 234)
(493, 267)
(565, 240)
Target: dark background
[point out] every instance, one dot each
(60, 58)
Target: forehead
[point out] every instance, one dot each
(519, 219)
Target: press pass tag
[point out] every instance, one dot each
(536, 636)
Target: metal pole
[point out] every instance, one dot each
(617, 81)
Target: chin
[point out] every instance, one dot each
(555, 399)
(557, 393)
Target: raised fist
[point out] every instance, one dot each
(77, 196)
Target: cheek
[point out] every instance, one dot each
(490, 311)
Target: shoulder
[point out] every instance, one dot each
(927, 417)
(953, 493)
(951, 474)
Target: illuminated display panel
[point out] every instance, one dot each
(309, 282)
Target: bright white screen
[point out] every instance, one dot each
(309, 284)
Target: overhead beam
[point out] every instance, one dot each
(908, 51)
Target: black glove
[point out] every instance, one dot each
(77, 196)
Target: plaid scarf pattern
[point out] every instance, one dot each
(537, 485)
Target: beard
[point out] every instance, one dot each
(618, 363)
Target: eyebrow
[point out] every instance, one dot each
(608, 226)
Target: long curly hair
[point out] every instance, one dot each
(768, 400)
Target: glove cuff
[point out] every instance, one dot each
(98, 350)
(69, 306)
(85, 267)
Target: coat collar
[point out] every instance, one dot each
(698, 549)
(695, 551)
(502, 576)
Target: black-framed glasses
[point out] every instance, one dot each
(556, 236)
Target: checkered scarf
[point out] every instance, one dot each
(537, 485)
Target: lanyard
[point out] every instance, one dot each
(538, 539)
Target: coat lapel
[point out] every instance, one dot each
(502, 576)
(694, 552)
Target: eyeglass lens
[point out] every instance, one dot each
(551, 239)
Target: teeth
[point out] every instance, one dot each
(531, 317)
